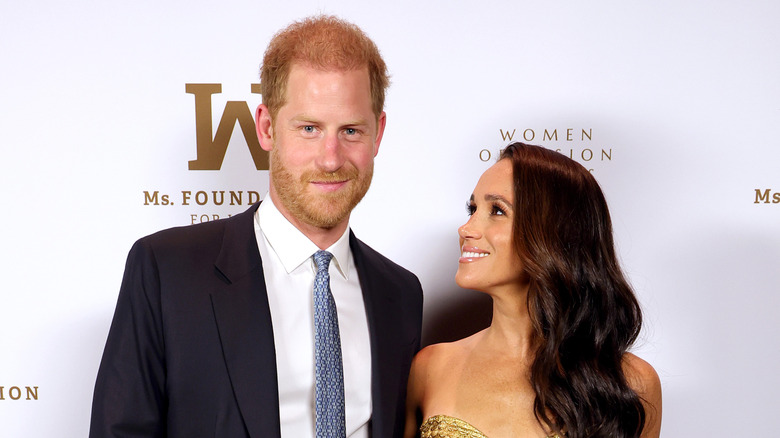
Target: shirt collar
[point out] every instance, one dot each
(291, 246)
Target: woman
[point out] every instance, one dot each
(554, 361)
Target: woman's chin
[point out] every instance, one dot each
(465, 282)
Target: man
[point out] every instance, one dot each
(215, 333)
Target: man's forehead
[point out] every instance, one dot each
(303, 77)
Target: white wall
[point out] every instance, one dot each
(684, 95)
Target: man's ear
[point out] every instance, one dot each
(380, 129)
(265, 127)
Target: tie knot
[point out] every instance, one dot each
(322, 260)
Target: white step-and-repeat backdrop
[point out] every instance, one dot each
(674, 105)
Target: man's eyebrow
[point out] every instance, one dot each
(305, 118)
(357, 122)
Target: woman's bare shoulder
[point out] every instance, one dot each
(641, 376)
(643, 379)
(434, 357)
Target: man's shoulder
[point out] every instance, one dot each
(184, 237)
(198, 236)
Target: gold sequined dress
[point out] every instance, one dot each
(444, 426)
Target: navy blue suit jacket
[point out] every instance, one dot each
(190, 352)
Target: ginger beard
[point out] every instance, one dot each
(324, 209)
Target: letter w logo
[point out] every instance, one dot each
(211, 152)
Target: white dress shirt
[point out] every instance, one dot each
(289, 271)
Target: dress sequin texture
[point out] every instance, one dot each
(443, 426)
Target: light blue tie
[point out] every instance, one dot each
(328, 368)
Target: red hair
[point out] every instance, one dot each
(323, 42)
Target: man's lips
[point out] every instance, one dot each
(329, 186)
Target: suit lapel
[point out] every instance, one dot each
(385, 351)
(244, 322)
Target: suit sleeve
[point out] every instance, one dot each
(129, 398)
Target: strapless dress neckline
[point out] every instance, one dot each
(444, 426)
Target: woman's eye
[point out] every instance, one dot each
(497, 211)
(470, 208)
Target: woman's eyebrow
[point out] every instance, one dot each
(491, 197)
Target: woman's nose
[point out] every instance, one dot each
(468, 230)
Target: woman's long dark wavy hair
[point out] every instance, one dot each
(584, 312)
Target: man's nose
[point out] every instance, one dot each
(331, 156)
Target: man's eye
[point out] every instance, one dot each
(350, 131)
(308, 129)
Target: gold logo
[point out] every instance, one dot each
(766, 196)
(211, 150)
(574, 143)
(203, 197)
(16, 393)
